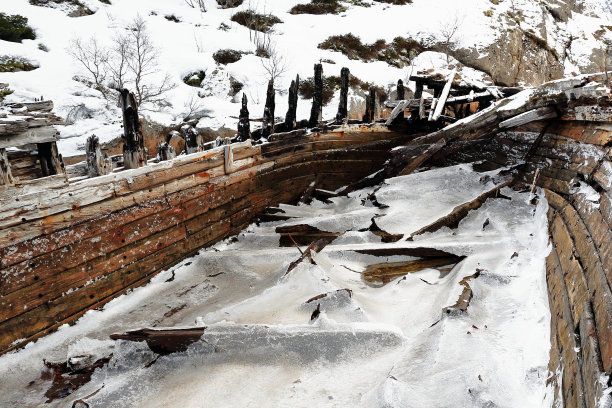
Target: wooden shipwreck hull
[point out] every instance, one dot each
(73, 247)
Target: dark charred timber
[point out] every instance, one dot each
(419, 252)
(383, 273)
(244, 126)
(165, 152)
(290, 118)
(372, 104)
(268, 116)
(316, 246)
(50, 160)
(97, 164)
(316, 112)
(368, 110)
(133, 144)
(165, 341)
(400, 90)
(306, 198)
(303, 234)
(69, 376)
(193, 140)
(343, 104)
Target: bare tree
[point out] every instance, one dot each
(117, 64)
(143, 64)
(449, 32)
(131, 61)
(93, 57)
(199, 3)
(275, 65)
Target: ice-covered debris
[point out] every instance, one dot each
(391, 393)
(325, 339)
(94, 349)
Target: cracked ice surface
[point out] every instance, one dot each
(384, 346)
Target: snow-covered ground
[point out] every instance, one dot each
(188, 46)
(382, 346)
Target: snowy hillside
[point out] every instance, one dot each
(503, 41)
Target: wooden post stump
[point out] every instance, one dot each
(244, 126)
(50, 160)
(368, 117)
(133, 144)
(268, 117)
(193, 140)
(97, 164)
(343, 104)
(290, 118)
(6, 177)
(400, 90)
(316, 113)
(165, 152)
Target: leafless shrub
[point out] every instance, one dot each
(131, 61)
(142, 63)
(94, 58)
(449, 32)
(275, 65)
(197, 3)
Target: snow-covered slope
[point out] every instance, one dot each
(496, 37)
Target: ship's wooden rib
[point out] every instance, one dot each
(73, 247)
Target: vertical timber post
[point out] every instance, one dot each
(400, 90)
(244, 126)
(96, 163)
(133, 144)
(343, 104)
(370, 106)
(316, 113)
(6, 176)
(228, 156)
(290, 118)
(268, 117)
(165, 152)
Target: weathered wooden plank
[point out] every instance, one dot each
(441, 103)
(29, 136)
(546, 112)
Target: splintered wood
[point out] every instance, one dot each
(385, 272)
(464, 299)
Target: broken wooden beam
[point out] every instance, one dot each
(463, 302)
(164, 341)
(547, 112)
(303, 234)
(386, 272)
(452, 219)
(316, 246)
(397, 112)
(444, 96)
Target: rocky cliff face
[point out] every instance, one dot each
(540, 42)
